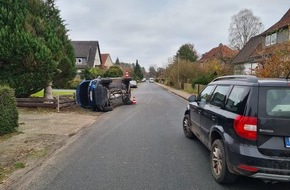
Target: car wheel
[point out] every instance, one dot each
(218, 163)
(186, 127)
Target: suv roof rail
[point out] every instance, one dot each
(248, 78)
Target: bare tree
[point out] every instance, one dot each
(243, 27)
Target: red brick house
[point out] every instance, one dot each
(222, 53)
(106, 60)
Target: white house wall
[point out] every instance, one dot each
(109, 62)
(97, 61)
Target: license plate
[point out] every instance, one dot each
(287, 142)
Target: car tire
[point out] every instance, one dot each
(218, 164)
(186, 127)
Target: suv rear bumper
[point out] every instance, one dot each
(276, 177)
(259, 165)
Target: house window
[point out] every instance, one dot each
(79, 61)
(268, 40)
(274, 38)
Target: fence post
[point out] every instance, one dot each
(75, 98)
(57, 100)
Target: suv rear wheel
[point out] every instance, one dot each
(218, 164)
(186, 127)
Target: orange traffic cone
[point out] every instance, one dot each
(134, 100)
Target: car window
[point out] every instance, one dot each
(219, 96)
(205, 94)
(274, 102)
(278, 102)
(236, 102)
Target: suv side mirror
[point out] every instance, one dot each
(192, 98)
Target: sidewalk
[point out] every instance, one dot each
(180, 93)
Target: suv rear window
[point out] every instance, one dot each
(275, 102)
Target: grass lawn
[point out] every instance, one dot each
(55, 92)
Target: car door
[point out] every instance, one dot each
(273, 136)
(211, 113)
(197, 107)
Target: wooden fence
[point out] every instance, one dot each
(57, 103)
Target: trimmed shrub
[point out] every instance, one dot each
(114, 71)
(8, 111)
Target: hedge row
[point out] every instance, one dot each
(8, 111)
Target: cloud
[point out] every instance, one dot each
(153, 30)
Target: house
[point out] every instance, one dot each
(263, 44)
(87, 54)
(106, 60)
(222, 53)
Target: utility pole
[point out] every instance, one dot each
(178, 85)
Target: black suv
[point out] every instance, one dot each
(245, 123)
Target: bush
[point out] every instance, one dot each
(204, 79)
(74, 84)
(114, 71)
(9, 114)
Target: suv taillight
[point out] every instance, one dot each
(246, 127)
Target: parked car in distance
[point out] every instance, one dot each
(244, 122)
(143, 80)
(133, 84)
(151, 80)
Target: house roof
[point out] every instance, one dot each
(283, 22)
(222, 51)
(87, 49)
(104, 57)
(248, 50)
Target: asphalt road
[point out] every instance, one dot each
(136, 147)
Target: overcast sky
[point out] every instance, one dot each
(153, 30)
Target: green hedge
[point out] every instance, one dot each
(8, 111)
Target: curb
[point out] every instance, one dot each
(179, 93)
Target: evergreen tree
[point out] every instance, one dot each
(117, 62)
(187, 52)
(33, 46)
(66, 68)
(138, 75)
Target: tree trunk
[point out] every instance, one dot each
(48, 91)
